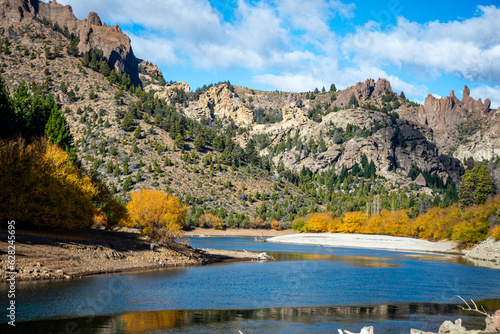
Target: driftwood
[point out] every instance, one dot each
(483, 312)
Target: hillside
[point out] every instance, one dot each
(233, 151)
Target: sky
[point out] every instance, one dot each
(422, 47)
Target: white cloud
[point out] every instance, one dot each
(313, 15)
(154, 49)
(470, 47)
(290, 82)
(487, 92)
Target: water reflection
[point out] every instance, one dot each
(352, 260)
(398, 318)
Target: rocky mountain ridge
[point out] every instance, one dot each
(92, 33)
(463, 128)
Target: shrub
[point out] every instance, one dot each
(298, 224)
(208, 220)
(276, 225)
(495, 233)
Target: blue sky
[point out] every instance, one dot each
(421, 46)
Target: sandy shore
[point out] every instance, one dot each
(210, 232)
(369, 241)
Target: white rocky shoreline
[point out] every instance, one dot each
(485, 254)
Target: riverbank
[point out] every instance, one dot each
(372, 241)
(238, 233)
(66, 255)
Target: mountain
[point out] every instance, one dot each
(233, 151)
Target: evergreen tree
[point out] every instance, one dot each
(57, 129)
(179, 141)
(477, 185)
(199, 142)
(138, 132)
(333, 89)
(251, 153)
(8, 125)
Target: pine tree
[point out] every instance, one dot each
(199, 142)
(476, 186)
(179, 141)
(57, 130)
(138, 132)
(251, 153)
(8, 125)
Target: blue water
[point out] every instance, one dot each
(322, 284)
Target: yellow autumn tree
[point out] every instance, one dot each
(208, 220)
(318, 222)
(353, 222)
(42, 188)
(158, 214)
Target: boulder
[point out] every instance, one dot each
(449, 327)
(420, 181)
(496, 320)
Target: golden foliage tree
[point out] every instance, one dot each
(158, 214)
(209, 220)
(318, 222)
(42, 188)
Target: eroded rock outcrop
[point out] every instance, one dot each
(217, 102)
(150, 69)
(362, 91)
(92, 33)
(448, 112)
(292, 109)
(169, 92)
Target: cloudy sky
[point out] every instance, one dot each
(421, 46)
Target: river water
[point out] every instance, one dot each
(308, 289)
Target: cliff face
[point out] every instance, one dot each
(111, 40)
(442, 114)
(363, 91)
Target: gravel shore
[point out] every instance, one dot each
(66, 255)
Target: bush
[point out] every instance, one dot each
(208, 220)
(299, 223)
(276, 225)
(495, 233)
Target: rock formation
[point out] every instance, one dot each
(150, 69)
(448, 112)
(362, 91)
(92, 33)
(168, 92)
(218, 103)
(292, 110)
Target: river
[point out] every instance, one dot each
(308, 289)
